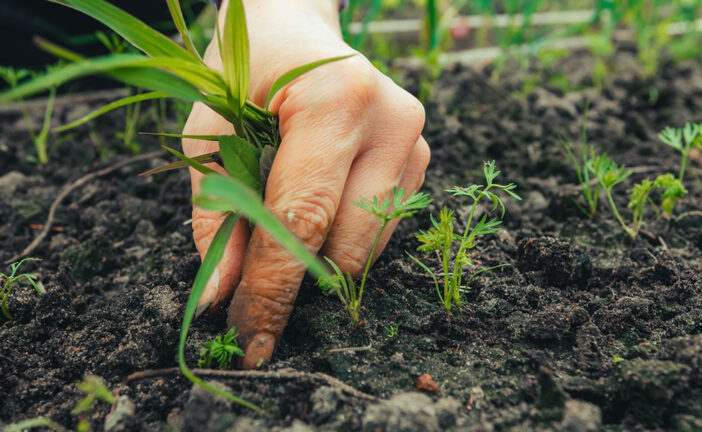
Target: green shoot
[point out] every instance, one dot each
(13, 77)
(32, 423)
(95, 391)
(344, 285)
(441, 237)
(9, 280)
(610, 175)
(683, 140)
(392, 331)
(167, 69)
(221, 350)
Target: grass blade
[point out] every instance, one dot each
(180, 164)
(235, 54)
(190, 162)
(289, 76)
(219, 192)
(109, 107)
(179, 21)
(173, 135)
(212, 258)
(135, 31)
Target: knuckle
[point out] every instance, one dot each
(411, 111)
(355, 85)
(309, 218)
(423, 154)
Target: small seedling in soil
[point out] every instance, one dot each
(344, 285)
(612, 174)
(9, 280)
(221, 350)
(441, 237)
(95, 390)
(683, 140)
(392, 331)
(13, 77)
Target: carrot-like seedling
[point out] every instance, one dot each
(95, 390)
(683, 140)
(221, 350)
(441, 237)
(169, 70)
(343, 284)
(9, 280)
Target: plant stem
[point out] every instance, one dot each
(628, 230)
(368, 264)
(683, 165)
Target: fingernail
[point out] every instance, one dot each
(259, 350)
(210, 293)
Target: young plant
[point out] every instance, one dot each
(221, 350)
(683, 140)
(95, 391)
(13, 77)
(344, 285)
(392, 331)
(167, 69)
(9, 280)
(442, 237)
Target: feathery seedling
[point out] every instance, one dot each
(683, 140)
(392, 331)
(13, 77)
(95, 391)
(221, 350)
(167, 69)
(9, 280)
(441, 237)
(344, 285)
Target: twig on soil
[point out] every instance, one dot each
(281, 375)
(70, 188)
(351, 349)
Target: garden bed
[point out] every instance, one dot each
(585, 328)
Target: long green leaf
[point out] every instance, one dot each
(212, 258)
(34, 423)
(289, 76)
(173, 135)
(109, 107)
(219, 193)
(132, 29)
(179, 21)
(235, 54)
(180, 164)
(191, 162)
(241, 160)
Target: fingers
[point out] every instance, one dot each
(304, 190)
(354, 230)
(203, 121)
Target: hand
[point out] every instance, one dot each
(347, 132)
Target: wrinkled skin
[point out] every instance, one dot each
(347, 131)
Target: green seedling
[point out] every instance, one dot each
(441, 237)
(683, 140)
(9, 280)
(392, 331)
(13, 77)
(221, 350)
(95, 391)
(167, 69)
(343, 284)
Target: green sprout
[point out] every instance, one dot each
(10, 280)
(392, 331)
(344, 285)
(683, 140)
(168, 70)
(13, 77)
(590, 163)
(95, 391)
(441, 237)
(612, 174)
(221, 349)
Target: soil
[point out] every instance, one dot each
(585, 331)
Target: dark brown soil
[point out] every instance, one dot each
(586, 330)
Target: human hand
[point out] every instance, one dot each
(347, 131)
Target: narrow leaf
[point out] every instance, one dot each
(109, 107)
(212, 258)
(191, 162)
(233, 195)
(235, 54)
(180, 164)
(173, 135)
(179, 21)
(291, 75)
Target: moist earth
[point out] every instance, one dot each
(585, 330)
